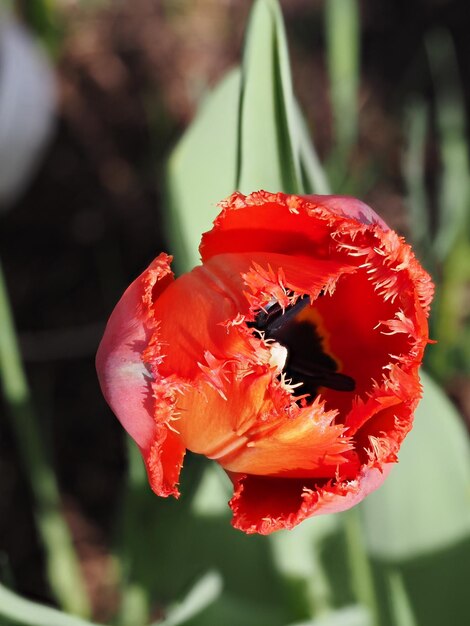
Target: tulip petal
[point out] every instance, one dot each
(282, 223)
(126, 381)
(264, 504)
(194, 311)
(349, 207)
(248, 429)
(305, 445)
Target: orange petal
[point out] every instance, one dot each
(248, 427)
(194, 311)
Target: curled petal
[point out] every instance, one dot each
(283, 223)
(264, 504)
(126, 381)
(349, 207)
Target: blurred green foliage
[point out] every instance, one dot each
(442, 240)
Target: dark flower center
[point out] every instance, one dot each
(307, 361)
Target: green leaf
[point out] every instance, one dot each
(418, 523)
(249, 134)
(314, 178)
(62, 564)
(269, 149)
(424, 505)
(21, 611)
(414, 172)
(399, 600)
(348, 616)
(343, 39)
(230, 610)
(449, 323)
(451, 245)
(202, 169)
(360, 570)
(172, 530)
(212, 493)
(204, 593)
(293, 549)
(455, 180)
(296, 555)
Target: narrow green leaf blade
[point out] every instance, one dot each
(269, 155)
(414, 174)
(22, 611)
(202, 169)
(205, 592)
(348, 616)
(343, 38)
(296, 555)
(314, 177)
(455, 180)
(424, 505)
(249, 134)
(62, 564)
(231, 610)
(399, 600)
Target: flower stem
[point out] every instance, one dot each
(319, 590)
(402, 609)
(135, 601)
(359, 564)
(297, 556)
(62, 564)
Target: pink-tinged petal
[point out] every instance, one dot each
(349, 207)
(263, 504)
(126, 381)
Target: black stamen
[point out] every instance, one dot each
(272, 318)
(306, 363)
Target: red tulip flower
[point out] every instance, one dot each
(290, 356)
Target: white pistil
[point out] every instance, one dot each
(278, 356)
